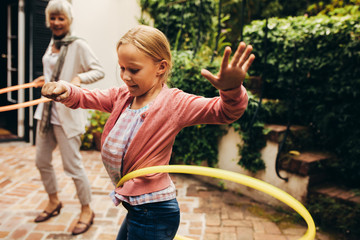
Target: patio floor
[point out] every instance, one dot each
(207, 213)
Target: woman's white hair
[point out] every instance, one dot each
(58, 7)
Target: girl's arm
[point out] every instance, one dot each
(75, 97)
(193, 110)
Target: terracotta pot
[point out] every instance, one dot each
(97, 140)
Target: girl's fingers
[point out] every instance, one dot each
(53, 90)
(45, 90)
(248, 62)
(208, 75)
(232, 73)
(58, 90)
(62, 96)
(245, 56)
(225, 59)
(239, 51)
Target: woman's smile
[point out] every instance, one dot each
(59, 24)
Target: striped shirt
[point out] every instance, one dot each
(114, 150)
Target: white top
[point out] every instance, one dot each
(79, 61)
(49, 60)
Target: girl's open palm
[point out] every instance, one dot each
(232, 75)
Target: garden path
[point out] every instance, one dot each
(207, 213)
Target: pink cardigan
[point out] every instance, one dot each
(171, 111)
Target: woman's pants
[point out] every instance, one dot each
(151, 221)
(71, 160)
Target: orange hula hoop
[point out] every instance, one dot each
(24, 104)
(22, 86)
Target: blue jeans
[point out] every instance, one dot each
(151, 221)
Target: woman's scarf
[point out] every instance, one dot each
(61, 44)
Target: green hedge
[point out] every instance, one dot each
(314, 62)
(185, 23)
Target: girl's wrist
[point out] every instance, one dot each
(229, 89)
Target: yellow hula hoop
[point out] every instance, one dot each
(234, 177)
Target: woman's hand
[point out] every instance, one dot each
(231, 75)
(39, 81)
(76, 81)
(55, 90)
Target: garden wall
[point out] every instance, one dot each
(228, 158)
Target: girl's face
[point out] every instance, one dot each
(141, 73)
(59, 24)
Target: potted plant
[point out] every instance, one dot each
(91, 139)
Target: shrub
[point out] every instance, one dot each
(333, 214)
(314, 62)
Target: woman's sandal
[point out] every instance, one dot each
(80, 230)
(48, 215)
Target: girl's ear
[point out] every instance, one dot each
(162, 67)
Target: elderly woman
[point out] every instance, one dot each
(70, 59)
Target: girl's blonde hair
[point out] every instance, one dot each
(152, 42)
(58, 7)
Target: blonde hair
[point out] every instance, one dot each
(152, 42)
(58, 7)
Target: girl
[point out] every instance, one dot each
(146, 116)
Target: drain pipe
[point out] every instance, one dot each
(21, 67)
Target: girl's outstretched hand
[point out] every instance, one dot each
(231, 75)
(55, 90)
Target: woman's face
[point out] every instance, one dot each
(59, 24)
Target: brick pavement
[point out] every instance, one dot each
(206, 212)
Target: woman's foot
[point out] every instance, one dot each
(85, 221)
(51, 210)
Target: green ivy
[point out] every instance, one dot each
(191, 23)
(335, 8)
(185, 23)
(326, 92)
(251, 127)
